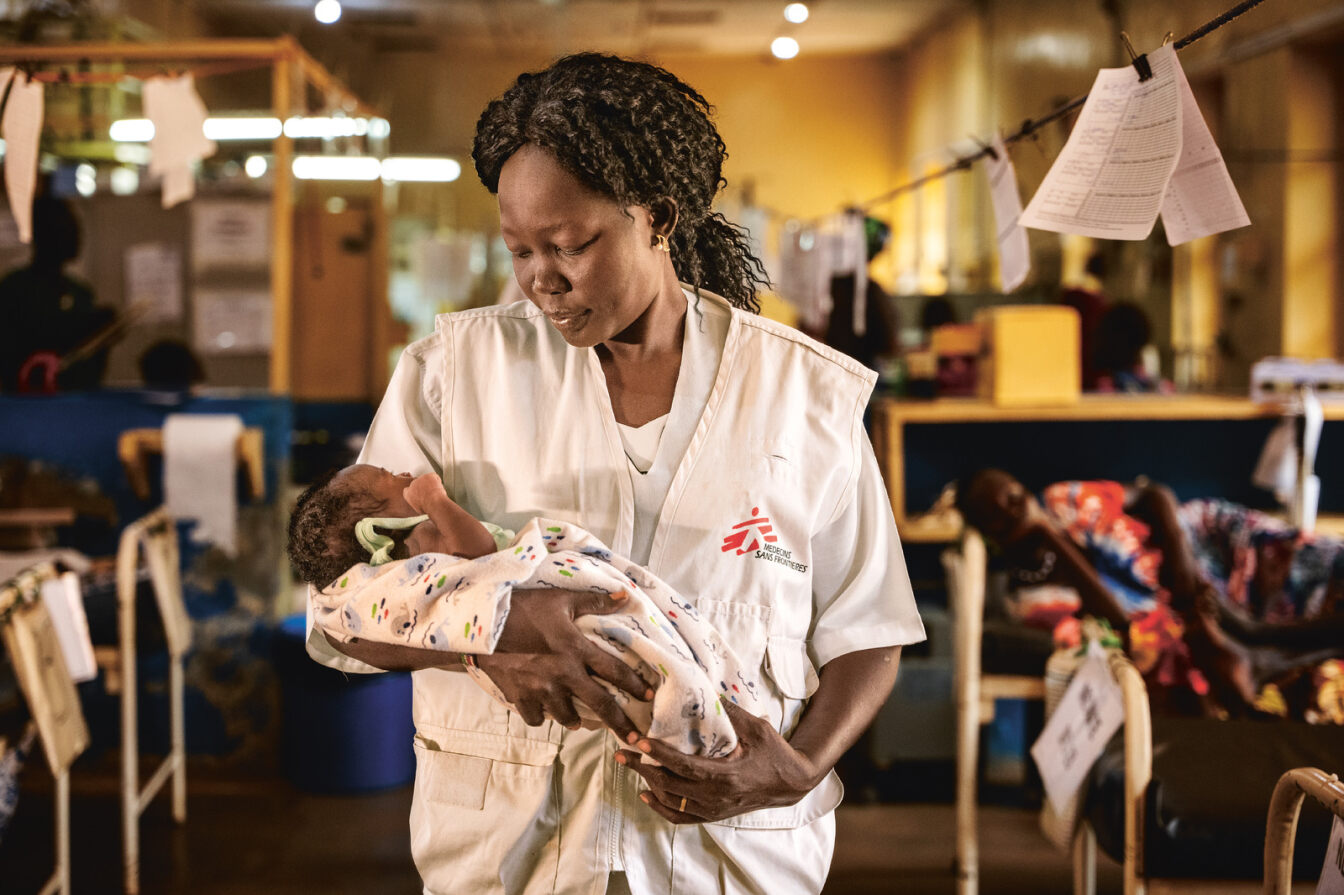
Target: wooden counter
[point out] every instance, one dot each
(890, 417)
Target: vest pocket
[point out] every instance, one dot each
(743, 626)
(482, 817)
(790, 668)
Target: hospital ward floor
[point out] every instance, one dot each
(264, 837)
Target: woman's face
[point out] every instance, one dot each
(588, 264)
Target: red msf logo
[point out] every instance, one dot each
(757, 529)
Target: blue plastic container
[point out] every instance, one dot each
(341, 733)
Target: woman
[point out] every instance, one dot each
(1225, 610)
(723, 452)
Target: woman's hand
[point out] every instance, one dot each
(543, 662)
(764, 771)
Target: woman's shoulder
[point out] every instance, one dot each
(800, 346)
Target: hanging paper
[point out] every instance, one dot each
(1332, 874)
(1110, 180)
(30, 639)
(1201, 199)
(1076, 734)
(178, 115)
(1011, 236)
(22, 131)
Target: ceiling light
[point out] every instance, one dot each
(784, 47)
(255, 166)
(796, 13)
(328, 12)
(337, 167)
(409, 168)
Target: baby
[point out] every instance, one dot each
(392, 559)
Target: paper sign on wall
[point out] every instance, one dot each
(232, 321)
(1090, 712)
(230, 234)
(153, 272)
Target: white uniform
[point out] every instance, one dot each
(764, 505)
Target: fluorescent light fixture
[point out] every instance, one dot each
(241, 128)
(141, 130)
(410, 168)
(336, 167)
(784, 47)
(325, 128)
(796, 13)
(328, 12)
(255, 166)
(131, 130)
(132, 153)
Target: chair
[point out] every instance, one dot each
(1168, 800)
(1193, 794)
(154, 535)
(1284, 807)
(975, 692)
(30, 639)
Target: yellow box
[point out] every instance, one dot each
(1030, 355)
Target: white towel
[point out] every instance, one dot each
(22, 129)
(200, 472)
(178, 114)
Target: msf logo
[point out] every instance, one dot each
(747, 536)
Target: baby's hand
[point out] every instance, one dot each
(422, 492)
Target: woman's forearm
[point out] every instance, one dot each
(851, 690)
(392, 657)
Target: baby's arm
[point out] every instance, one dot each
(450, 528)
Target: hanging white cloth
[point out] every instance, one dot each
(178, 115)
(199, 474)
(22, 129)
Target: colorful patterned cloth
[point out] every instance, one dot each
(1260, 563)
(440, 602)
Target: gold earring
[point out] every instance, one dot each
(661, 242)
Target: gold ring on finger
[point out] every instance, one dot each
(682, 806)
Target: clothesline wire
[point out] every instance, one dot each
(1032, 125)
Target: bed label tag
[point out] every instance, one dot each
(1332, 874)
(1090, 712)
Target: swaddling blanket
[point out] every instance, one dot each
(441, 602)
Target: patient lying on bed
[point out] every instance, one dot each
(1223, 609)
(391, 559)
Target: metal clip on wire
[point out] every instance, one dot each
(1140, 62)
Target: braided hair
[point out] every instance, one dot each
(636, 133)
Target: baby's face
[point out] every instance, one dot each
(386, 487)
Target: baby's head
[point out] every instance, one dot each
(322, 542)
